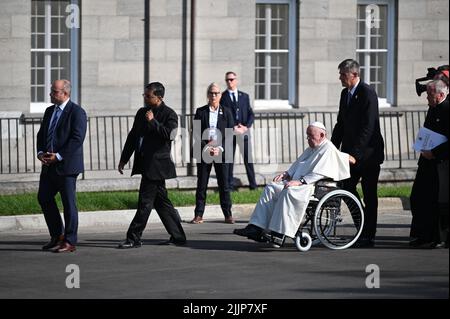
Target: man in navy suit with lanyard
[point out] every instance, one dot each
(60, 149)
(238, 103)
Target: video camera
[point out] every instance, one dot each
(432, 72)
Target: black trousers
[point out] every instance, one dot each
(368, 174)
(153, 194)
(424, 203)
(248, 162)
(203, 172)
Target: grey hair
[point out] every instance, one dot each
(349, 66)
(213, 84)
(438, 86)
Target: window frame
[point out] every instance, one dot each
(390, 56)
(292, 63)
(39, 107)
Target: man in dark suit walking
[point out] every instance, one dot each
(150, 140)
(357, 132)
(60, 149)
(239, 104)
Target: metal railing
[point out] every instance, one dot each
(278, 137)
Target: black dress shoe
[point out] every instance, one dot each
(251, 232)
(172, 242)
(54, 243)
(129, 244)
(364, 243)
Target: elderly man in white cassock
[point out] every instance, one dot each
(282, 205)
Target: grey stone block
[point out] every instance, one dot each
(208, 28)
(11, 7)
(345, 9)
(175, 8)
(314, 9)
(131, 8)
(165, 27)
(90, 27)
(236, 50)
(409, 50)
(114, 27)
(241, 8)
(341, 49)
(136, 28)
(15, 50)
(443, 30)
(157, 50)
(437, 9)
(412, 9)
(435, 50)
(99, 8)
(89, 73)
(94, 50)
(425, 29)
(120, 73)
(312, 49)
(20, 26)
(129, 50)
(212, 8)
(328, 29)
(5, 27)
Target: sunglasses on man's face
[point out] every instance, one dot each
(230, 80)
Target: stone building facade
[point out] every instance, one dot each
(110, 48)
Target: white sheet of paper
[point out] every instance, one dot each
(428, 139)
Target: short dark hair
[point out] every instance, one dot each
(157, 88)
(349, 66)
(230, 72)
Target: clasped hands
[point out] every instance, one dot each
(240, 129)
(288, 179)
(47, 158)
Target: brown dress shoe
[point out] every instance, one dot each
(197, 220)
(229, 220)
(65, 248)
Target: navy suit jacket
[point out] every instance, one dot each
(357, 131)
(68, 140)
(152, 158)
(246, 116)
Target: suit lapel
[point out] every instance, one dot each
(64, 114)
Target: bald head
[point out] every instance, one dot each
(60, 91)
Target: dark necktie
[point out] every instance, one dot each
(236, 107)
(51, 130)
(349, 97)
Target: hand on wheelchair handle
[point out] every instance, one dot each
(351, 159)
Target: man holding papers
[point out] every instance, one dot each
(429, 205)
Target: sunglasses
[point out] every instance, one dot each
(230, 80)
(213, 93)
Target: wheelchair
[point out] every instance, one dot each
(334, 218)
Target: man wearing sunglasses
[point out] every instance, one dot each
(239, 104)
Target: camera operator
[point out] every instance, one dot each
(429, 195)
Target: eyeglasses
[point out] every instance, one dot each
(148, 96)
(230, 80)
(53, 91)
(214, 93)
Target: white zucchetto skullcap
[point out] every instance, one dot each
(319, 125)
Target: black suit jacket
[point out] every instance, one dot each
(357, 131)
(68, 139)
(152, 158)
(437, 120)
(246, 116)
(224, 120)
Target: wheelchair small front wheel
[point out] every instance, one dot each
(303, 241)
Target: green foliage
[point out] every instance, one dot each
(25, 204)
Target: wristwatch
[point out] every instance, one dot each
(302, 180)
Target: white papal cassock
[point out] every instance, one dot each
(281, 210)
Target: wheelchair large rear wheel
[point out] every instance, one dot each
(338, 219)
